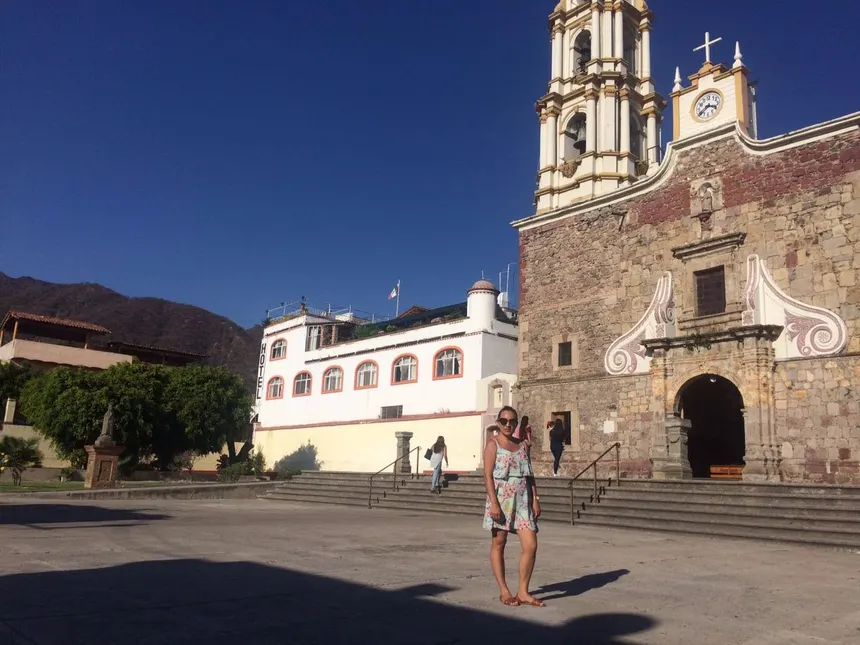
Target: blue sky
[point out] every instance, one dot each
(234, 155)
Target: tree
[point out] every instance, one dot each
(13, 378)
(303, 458)
(159, 412)
(211, 406)
(19, 454)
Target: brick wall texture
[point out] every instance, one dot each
(590, 277)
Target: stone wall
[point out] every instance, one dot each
(818, 419)
(590, 277)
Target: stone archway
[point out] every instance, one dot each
(716, 436)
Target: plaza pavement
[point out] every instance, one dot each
(219, 572)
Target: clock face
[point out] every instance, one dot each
(707, 106)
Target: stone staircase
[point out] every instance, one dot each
(805, 514)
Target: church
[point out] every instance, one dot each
(698, 307)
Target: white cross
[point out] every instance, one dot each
(707, 46)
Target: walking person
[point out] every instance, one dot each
(513, 506)
(440, 452)
(556, 444)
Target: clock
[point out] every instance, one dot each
(708, 106)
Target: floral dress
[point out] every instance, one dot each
(511, 473)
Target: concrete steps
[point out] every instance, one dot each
(792, 513)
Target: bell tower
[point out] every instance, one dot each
(600, 119)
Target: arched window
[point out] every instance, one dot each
(302, 384)
(636, 137)
(631, 51)
(405, 370)
(574, 137)
(581, 52)
(366, 375)
(275, 388)
(279, 350)
(333, 380)
(448, 363)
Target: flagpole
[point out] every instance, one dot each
(397, 305)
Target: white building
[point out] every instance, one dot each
(347, 386)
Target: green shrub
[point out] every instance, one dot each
(231, 474)
(305, 458)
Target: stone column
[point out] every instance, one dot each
(652, 138)
(610, 121)
(552, 138)
(595, 31)
(619, 32)
(606, 40)
(404, 466)
(625, 120)
(9, 416)
(671, 461)
(557, 55)
(646, 53)
(591, 121)
(542, 163)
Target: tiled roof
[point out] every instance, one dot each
(50, 320)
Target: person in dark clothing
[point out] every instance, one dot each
(556, 444)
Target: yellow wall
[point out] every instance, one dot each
(367, 447)
(51, 460)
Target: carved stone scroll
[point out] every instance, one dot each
(627, 356)
(807, 331)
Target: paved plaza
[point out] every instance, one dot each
(219, 572)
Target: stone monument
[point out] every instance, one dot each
(404, 465)
(103, 456)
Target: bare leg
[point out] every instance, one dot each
(528, 540)
(497, 561)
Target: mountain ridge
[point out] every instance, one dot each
(149, 320)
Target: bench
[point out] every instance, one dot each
(735, 473)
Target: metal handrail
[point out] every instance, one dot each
(593, 465)
(394, 463)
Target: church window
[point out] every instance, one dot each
(314, 339)
(405, 370)
(366, 375)
(631, 51)
(581, 52)
(574, 137)
(302, 384)
(275, 389)
(565, 354)
(449, 364)
(333, 380)
(279, 350)
(710, 291)
(391, 412)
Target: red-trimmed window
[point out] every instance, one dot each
(275, 388)
(302, 384)
(367, 375)
(333, 380)
(404, 370)
(279, 350)
(448, 363)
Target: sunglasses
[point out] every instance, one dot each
(505, 422)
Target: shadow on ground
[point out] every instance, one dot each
(579, 586)
(31, 514)
(181, 602)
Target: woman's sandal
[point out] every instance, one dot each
(510, 601)
(531, 603)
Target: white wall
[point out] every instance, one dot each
(482, 354)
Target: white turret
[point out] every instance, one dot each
(481, 304)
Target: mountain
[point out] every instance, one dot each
(143, 321)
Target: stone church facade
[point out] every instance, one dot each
(706, 313)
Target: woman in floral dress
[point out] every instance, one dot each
(513, 506)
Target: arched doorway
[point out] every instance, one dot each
(714, 406)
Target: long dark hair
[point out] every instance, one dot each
(524, 422)
(439, 445)
(557, 432)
